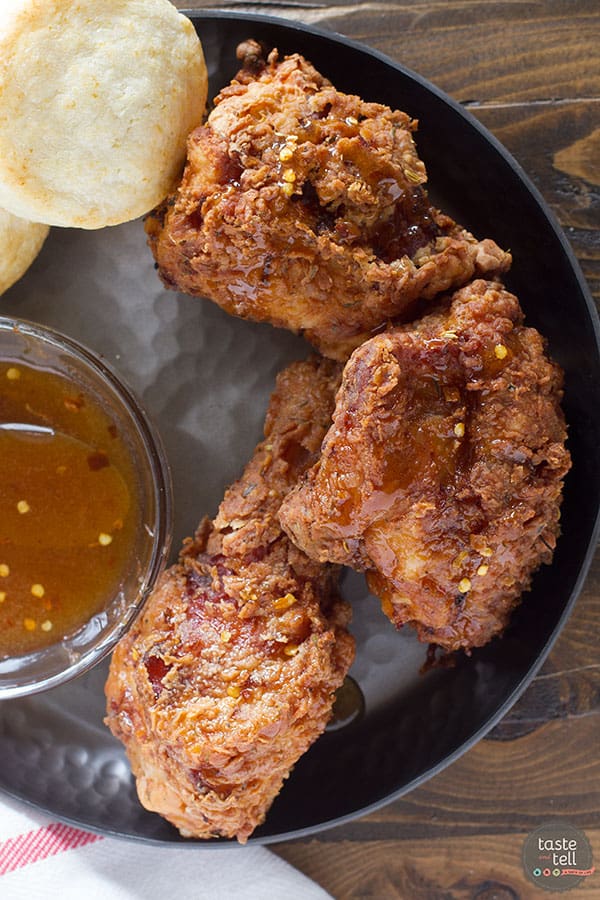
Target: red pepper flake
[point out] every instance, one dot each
(112, 430)
(98, 460)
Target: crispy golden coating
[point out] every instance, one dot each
(441, 475)
(229, 674)
(305, 207)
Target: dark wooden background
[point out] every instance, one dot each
(530, 71)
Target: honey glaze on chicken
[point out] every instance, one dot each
(305, 207)
(230, 673)
(441, 475)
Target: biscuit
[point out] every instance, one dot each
(20, 243)
(97, 98)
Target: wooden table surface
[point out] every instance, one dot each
(530, 71)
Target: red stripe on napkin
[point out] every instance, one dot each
(36, 845)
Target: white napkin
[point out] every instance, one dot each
(42, 858)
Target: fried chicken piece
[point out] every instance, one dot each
(229, 674)
(305, 207)
(441, 475)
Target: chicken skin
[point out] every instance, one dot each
(229, 674)
(441, 475)
(304, 207)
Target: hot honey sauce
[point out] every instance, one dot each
(68, 507)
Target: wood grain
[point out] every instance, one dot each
(504, 52)
(482, 867)
(530, 71)
(558, 145)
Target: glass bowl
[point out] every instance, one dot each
(145, 541)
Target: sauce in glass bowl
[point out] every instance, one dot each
(68, 507)
(85, 508)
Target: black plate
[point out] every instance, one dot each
(55, 751)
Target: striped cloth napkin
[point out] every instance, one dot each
(41, 858)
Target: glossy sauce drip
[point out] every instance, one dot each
(416, 445)
(411, 227)
(429, 447)
(398, 224)
(67, 508)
